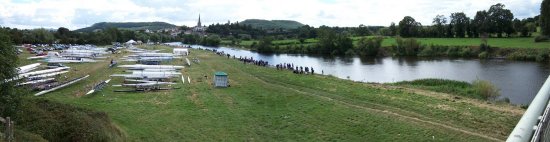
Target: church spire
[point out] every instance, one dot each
(199, 24)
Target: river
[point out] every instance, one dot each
(517, 80)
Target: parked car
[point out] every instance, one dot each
(41, 53)
(33, 51)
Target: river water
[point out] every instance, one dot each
(517, 80)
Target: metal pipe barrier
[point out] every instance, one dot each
(533, 123)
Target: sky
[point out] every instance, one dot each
(75, 14)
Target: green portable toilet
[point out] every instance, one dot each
(220, 79)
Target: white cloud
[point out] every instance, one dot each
(75, 14)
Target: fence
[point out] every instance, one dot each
(9, 129)
(533, 125)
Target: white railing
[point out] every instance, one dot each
(531, 121)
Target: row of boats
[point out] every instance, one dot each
(149, 74)
(146, 75)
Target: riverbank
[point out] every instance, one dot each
(268, 104)
(501, 48)
(518, 86)
(516, 42)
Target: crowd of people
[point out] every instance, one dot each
(295, 69)
(281, 66)
(251, 60)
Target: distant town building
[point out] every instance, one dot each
(198, 29)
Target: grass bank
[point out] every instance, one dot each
(264, 104)
(55, 121)
(479, 89)
(516, 42)
(510, 48)
(459, 88)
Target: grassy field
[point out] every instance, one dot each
(264, 104)
(527, 42)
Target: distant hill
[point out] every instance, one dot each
(273, 24)
(128, 26)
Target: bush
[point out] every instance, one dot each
(486, 89)
(506, 100)
(302, 40)
(541, 38)
(212, 40)
(466, 52)
(407, 47)
(427, 51)
(245, 36)
(484, 47)
(483, 55)
(61, 122)
(350, 52)
(460, 88)
(453, 51)
(253, 45)
(541, 57)
(369, 46)
(265, 45)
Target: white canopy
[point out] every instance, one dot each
(131, 41)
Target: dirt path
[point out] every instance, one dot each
(447, 126)
(413, 119)
(387, 112)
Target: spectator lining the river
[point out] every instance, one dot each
(281, 66)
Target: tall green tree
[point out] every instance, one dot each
(265, 45)
(392, 29)
(369, 46)
(42, 36)
(9, 95)
(327, 39)
(344, 45)
(500, 19)
(16, 36)
(331, 42)
(544, 19)
(482, 23)
(472, 29)
(460, 22)
(518, 25)
(115, 34)
(449, 29)
(408, 27)
(63, 34)
(439, 25)
(362, 30)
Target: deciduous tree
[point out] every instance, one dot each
(544, 19)
(408, 27)
(9, 97)
(459, 21)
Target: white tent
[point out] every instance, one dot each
(131, 41)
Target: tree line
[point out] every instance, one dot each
(101, 37)
(497, 21)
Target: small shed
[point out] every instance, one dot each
(220, 79)
(181, 51)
